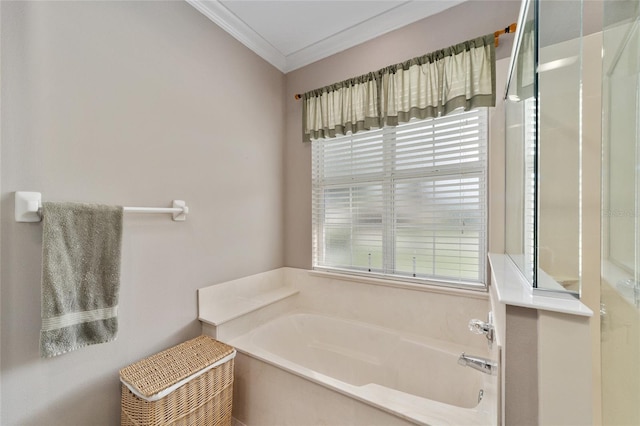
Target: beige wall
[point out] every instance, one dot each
(620, 353)
(520, 366)
(620, 325)
(452, 26)
(565, 386)
(132, 103)
(591, 208)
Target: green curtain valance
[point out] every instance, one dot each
(460, 76)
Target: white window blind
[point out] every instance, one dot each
(407, 201)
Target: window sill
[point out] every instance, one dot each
(480, 292)
(513, 289)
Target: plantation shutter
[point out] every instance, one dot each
(407, 201)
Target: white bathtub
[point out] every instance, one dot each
(411, 377)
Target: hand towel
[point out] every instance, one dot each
(80, 275)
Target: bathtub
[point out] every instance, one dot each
(411, 379)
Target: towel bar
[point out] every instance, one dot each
(29, 205)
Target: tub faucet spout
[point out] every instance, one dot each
(478, 363)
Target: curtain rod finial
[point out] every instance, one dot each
(297, 96)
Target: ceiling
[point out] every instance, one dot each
(290, 34)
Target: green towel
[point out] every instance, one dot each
(80, 276)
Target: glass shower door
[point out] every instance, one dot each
(620, 284)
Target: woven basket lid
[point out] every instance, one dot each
(164, 369)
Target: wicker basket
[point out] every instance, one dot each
(188, 384)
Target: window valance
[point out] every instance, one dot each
(460, 76)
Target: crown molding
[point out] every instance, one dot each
(405, 13)
(229, 22)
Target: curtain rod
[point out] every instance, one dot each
(28, 208)
(506, 30)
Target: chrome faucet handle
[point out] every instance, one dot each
(477, 326)
(480, 327)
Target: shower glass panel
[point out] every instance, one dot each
(559, 189)
(543, 107)
(620, 291)
(520, 110)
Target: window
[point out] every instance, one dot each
(407, 201)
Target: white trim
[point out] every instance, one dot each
(233, 25)
(405, 13)
(167, 391)
(477, 291)
(512, 289)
